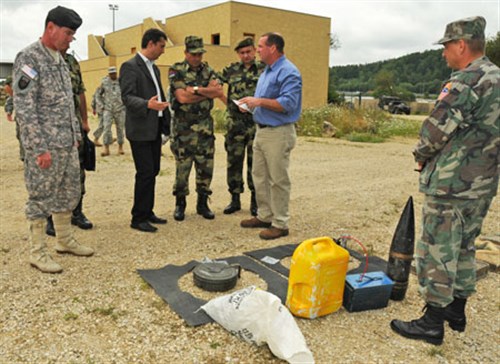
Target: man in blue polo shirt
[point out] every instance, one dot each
(276, 106)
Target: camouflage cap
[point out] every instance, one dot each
(8, 80)
(244, 43)
(112, 69)
(468, 28)
(64, 17)
(194, 44)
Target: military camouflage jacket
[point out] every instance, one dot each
(459, 141)
(241, 83)
(76, 81)
(43, 99)
(9, 105)
(110, 95)
(182, 75)
(97, 102)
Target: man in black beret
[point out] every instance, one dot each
(241, 78)
(50, 134)
(64, 17)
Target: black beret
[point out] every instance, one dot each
(244, 43)
(64, 17)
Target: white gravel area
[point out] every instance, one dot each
(99, 310)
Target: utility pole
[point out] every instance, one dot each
(113, 8)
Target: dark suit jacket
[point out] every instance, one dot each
(137, 87)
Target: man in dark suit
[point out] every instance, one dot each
(147, 119)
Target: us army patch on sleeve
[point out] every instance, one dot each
(28, 74)
(445, 91)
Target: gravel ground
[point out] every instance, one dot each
(100, 311)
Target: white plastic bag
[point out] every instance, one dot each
(258, 317)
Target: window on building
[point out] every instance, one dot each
(133, 50)
(249, 35)
(216, 38)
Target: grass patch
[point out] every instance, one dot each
(70, 316)
(364, 138)
(215, 345)
(435, 352)
(220, 120)
(356, 125)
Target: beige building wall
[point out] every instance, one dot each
(230, 21)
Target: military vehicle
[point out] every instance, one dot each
(394, 105)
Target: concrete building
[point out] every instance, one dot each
(307, 43)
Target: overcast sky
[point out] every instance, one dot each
(369, 30)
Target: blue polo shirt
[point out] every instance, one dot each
(280, 81)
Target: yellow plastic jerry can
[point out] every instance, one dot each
(317, 278)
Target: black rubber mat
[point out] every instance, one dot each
(165, 283)
(271, 257)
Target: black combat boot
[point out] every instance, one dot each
(234, 205)
(253, 205)
(49, 229)
(454, 313)
(79, 219)
(429, 327)
(180, 207)
(202, 207)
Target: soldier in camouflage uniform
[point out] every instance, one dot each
(111, 99)
(9, 110)
(241, 78)
(78, 218)
(50, 133)
(458, 160)
(193, 86)
(98, 109)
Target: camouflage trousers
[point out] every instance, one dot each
(238, 140)
(197, 148)
(445, 253)
(100, 127)
(18, 136)
(54, 189)
(107, 120)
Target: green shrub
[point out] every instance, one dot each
(365, 125)
(361, 125)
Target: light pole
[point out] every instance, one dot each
(113, 8)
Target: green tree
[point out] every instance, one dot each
(493, 49)
(384, 83)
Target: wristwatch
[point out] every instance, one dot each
(196, 88)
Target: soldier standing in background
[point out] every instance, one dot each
(193, 86)
(111, 99)
(9, 111)
(97, 109)
(50, 133)
(241, 78)
(78, 218)
(458, 161)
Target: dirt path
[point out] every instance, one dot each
(100, 311)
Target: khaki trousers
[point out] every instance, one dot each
(271, 161)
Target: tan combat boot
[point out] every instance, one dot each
(64, 233)
(39, 257)
(120, 149)
(105, 153)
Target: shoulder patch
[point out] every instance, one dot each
(445, 91)
(172, 73)
(30, 72)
